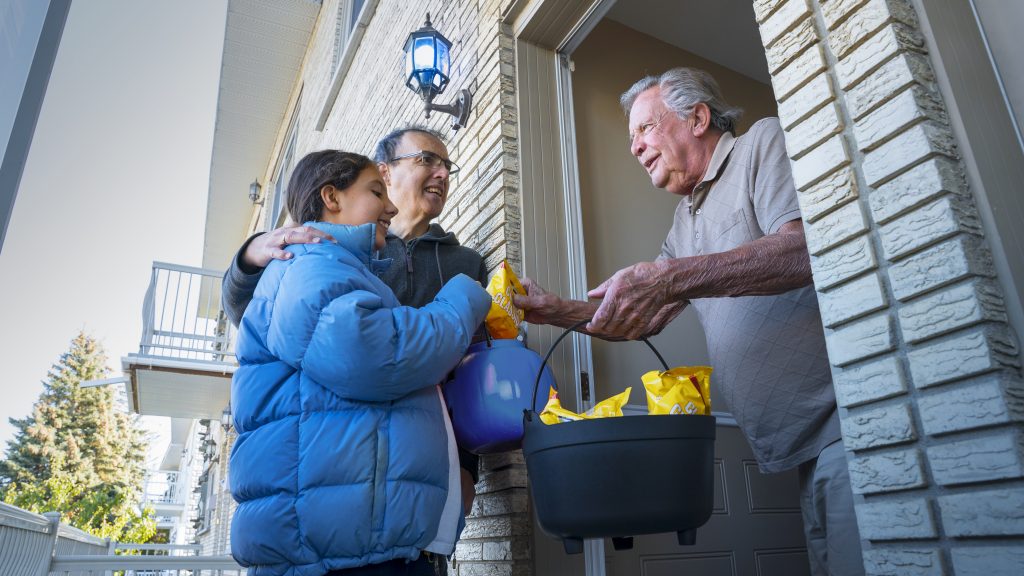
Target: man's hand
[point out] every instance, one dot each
(664, 317)
(538, 305)
(270, 246)
(541, 307)
(638, 302)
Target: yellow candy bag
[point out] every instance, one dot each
(553, 412)
(682, 390)
(503, 319)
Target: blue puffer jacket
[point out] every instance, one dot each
(343, 438)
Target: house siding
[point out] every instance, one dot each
(926, 366)
(483, 203)
(927, 369)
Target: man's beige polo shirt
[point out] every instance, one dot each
(768, 352)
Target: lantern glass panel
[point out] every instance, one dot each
(443, 58)
(423, 54)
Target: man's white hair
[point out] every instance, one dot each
(681, 90)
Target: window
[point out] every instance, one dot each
(283, 174)
(352, 21)
(348, 16)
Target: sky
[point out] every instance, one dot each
(116, 178)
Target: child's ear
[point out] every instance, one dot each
(329, 194)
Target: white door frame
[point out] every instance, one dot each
(546, 32)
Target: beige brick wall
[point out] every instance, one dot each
(926, 369)
(483, 203)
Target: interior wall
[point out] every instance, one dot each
(625, 218)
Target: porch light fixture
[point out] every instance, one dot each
(225, 417)
(254, 192)
(427, 67)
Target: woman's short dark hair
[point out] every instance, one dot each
(316, 170)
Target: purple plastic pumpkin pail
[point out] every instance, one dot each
(491, 387)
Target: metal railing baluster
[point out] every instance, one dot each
(181, 322)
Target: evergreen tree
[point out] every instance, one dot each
(77, 454)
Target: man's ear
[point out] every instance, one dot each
(385, 172)
(701, 119)
(329, 196)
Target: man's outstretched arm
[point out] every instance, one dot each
(634, 296)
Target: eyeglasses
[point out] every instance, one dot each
(430, 160)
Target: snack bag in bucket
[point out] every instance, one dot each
(682, 390)
(503, 319)
(553, 412)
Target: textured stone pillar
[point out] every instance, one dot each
(496, 541)
(926, 368)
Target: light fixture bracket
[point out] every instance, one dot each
(460, 108)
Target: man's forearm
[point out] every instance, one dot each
(577, 311)
(574, 312)
(772, 264)
(238, 286)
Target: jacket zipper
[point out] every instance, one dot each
(408, 256)
(381, 473)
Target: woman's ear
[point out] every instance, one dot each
(330, 197)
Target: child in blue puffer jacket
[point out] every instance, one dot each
(345, 462)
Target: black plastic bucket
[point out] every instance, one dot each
(620, 477)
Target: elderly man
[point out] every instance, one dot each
(415, 166)
(736, 252)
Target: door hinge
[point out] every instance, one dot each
(585, 386)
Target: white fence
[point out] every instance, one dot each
(182, 316)
(39, 545)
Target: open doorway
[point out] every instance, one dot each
(756, 525)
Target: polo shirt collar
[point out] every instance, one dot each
(722, 150)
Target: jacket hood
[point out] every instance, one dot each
(435, 233)
(356, 239)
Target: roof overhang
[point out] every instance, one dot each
(265, 42)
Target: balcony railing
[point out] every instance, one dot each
(164, 487)
(182, 317)
(39, 545)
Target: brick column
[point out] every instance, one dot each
(926, 368)
(496, 541)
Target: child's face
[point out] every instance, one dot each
(365, 201)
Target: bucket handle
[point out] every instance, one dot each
(570, 330)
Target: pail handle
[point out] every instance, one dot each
(570, 330)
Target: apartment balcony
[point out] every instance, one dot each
(165, 491)
(186, 354)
